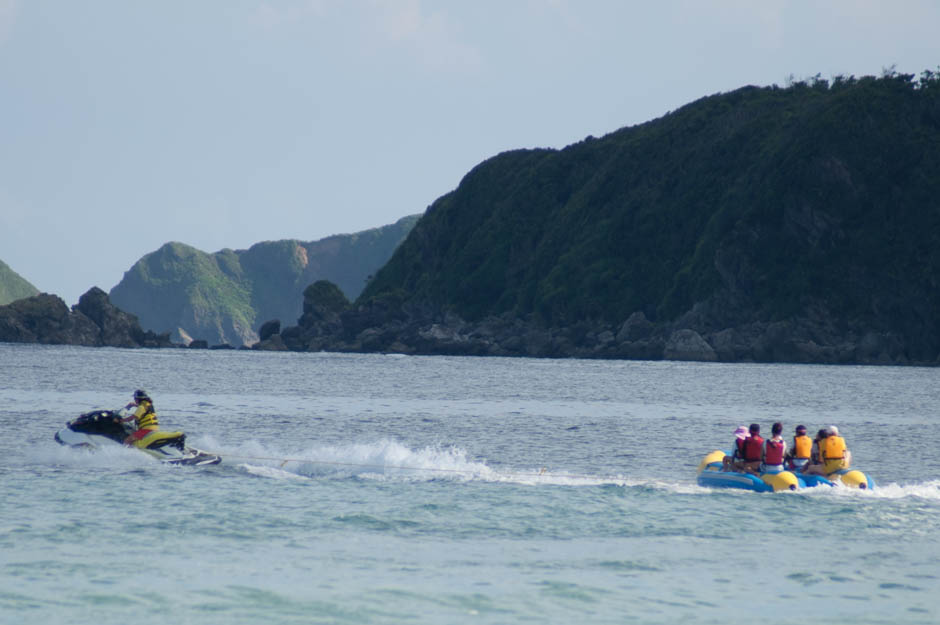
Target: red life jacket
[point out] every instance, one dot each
(752, 448)
(773, 453)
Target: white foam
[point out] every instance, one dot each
(925, 490)
(270, 472)
(105, 456)
(390, 460)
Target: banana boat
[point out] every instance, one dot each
(711, 475)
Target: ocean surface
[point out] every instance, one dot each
(391, 489)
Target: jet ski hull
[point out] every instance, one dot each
(102, 428)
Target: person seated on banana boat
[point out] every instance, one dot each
(834, 453)
(815, 465)
(798, 454)
(773, 451)
(753, 451)
(144, 419)
(735, 462)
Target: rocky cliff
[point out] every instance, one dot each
(222, 298)
(13, 286)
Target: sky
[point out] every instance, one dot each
(223, 123)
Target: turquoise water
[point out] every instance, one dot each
(386, 489)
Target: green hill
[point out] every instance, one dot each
(224, 297)
(13, 286)
(814, 207)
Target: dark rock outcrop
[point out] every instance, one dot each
(330, 323)
(93, 322)
(688, 345)
(116, 328)
(45, 318)
(269, 328)
(273, 343)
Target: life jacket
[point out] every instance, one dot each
(833, 447)
(802, 446)
(752, 448)
(739, 447)
(145, 416)
(773, 452)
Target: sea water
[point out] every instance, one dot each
(391, 489)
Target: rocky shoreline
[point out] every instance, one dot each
(330, 323)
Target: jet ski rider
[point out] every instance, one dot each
(144, 418)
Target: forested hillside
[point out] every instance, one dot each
(797, 223)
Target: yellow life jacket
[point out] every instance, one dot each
(145, 416)
(833, 448)
(802, 446)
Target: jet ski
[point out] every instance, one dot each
(100, 428)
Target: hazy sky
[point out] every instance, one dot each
(222, 123)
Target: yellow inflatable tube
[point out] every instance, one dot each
(781, 481)
(713, 457)
(851, 478)
(710, 474)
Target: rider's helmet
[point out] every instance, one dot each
(140, 395)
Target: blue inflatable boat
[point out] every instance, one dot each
(711, 475)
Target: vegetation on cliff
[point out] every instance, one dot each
(818, 204)
(13, 286)
(224, 297)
